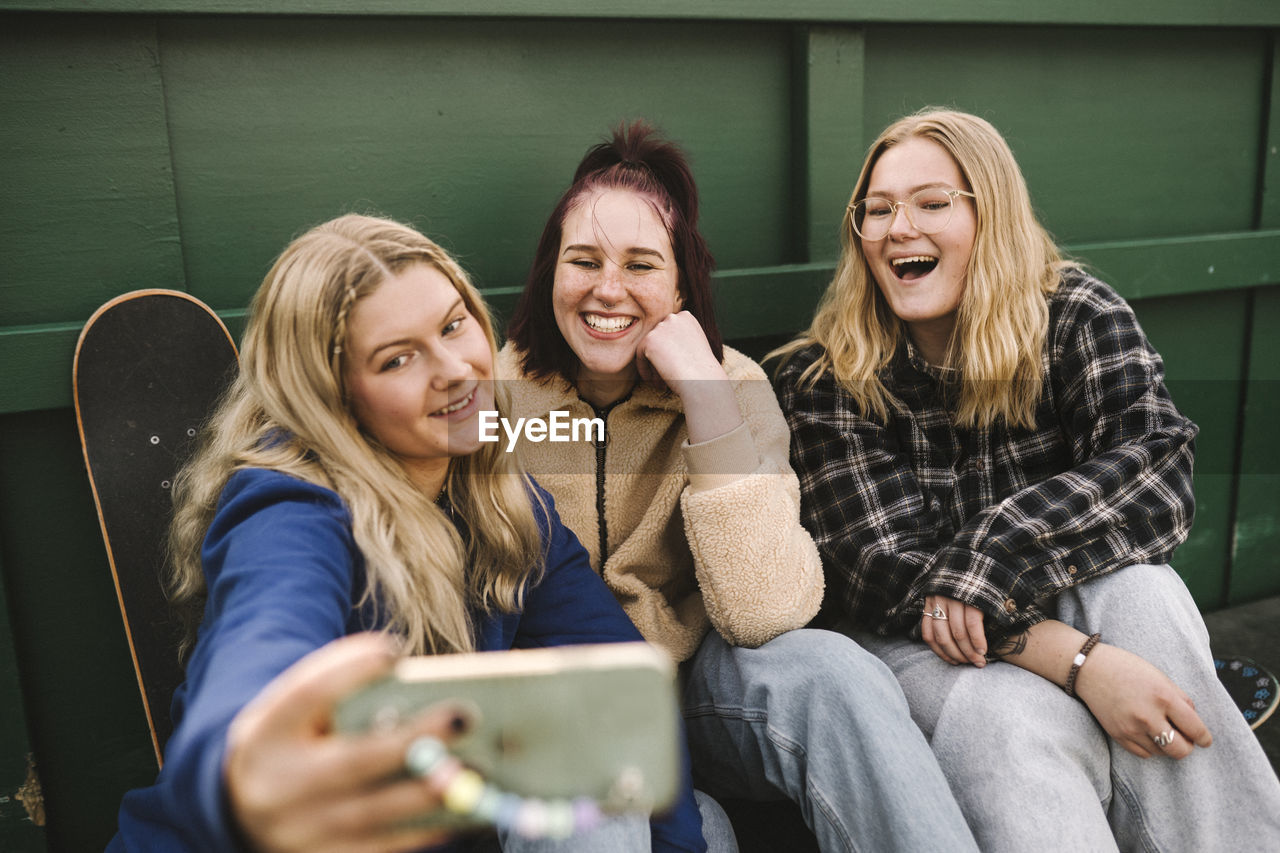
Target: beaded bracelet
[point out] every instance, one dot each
(464, 792)
(1079, 662)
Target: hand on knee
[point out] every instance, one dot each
(1139, 706)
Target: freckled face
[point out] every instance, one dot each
(616, 278)
(418, 371)
(922, 276)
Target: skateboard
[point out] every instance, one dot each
(1252, 688)
(149, 368)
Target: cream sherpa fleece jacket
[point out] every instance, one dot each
(698, 535)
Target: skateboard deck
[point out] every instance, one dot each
(149, 367)
(1251, 687)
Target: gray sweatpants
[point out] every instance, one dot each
(1032, 769)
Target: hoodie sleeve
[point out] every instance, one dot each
(280, 561)
(758, 568)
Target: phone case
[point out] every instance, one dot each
(593, 720)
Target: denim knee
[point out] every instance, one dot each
(717, 830)
(1004, 714)
(832, 671)
(1146, 609)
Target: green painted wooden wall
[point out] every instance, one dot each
(181, 143)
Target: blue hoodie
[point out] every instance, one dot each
(284, 575)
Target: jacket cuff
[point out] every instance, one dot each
(982, 582)
(723, 460)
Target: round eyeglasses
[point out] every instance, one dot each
(929, 211)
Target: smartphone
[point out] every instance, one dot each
(598, 721)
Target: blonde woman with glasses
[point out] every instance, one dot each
(996, 478)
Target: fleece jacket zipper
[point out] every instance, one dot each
(602, 526)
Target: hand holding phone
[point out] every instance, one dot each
(557, 724)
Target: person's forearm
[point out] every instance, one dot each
(710, 409)
(1046, 648)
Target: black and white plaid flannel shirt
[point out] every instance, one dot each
(1001, 519)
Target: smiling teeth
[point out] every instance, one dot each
(914, 259)
(607, 324)
(453, 407)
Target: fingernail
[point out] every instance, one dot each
(465, 717)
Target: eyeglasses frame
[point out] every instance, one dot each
(894, 205)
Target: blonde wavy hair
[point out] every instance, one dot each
(288, 411)
(1003, 318)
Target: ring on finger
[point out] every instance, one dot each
(937, 613)
(1164, 738)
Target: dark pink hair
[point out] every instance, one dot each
(638, 159)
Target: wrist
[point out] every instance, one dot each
(704, 385)
(1081, 657)
(710, 409)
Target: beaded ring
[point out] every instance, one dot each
(465, 792)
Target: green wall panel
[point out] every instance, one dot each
(1161, 12)
(829, 107)
(1203, 373)
(1256, 565)
(85, 717)
(86, 195)
(1269, 186)
(1121, 133)
(1201, 264)
(471, 132)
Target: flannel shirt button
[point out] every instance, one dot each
(1071, 570)
(980, 465)
(1010, 606)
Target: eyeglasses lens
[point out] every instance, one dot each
(929, 211)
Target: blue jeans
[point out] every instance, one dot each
(812, 717)
(1033, 770)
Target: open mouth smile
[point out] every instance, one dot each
(607, 325)
(913, 267)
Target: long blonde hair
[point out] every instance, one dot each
(288, 411)
(1003, 318)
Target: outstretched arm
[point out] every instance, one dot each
(294, 784)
